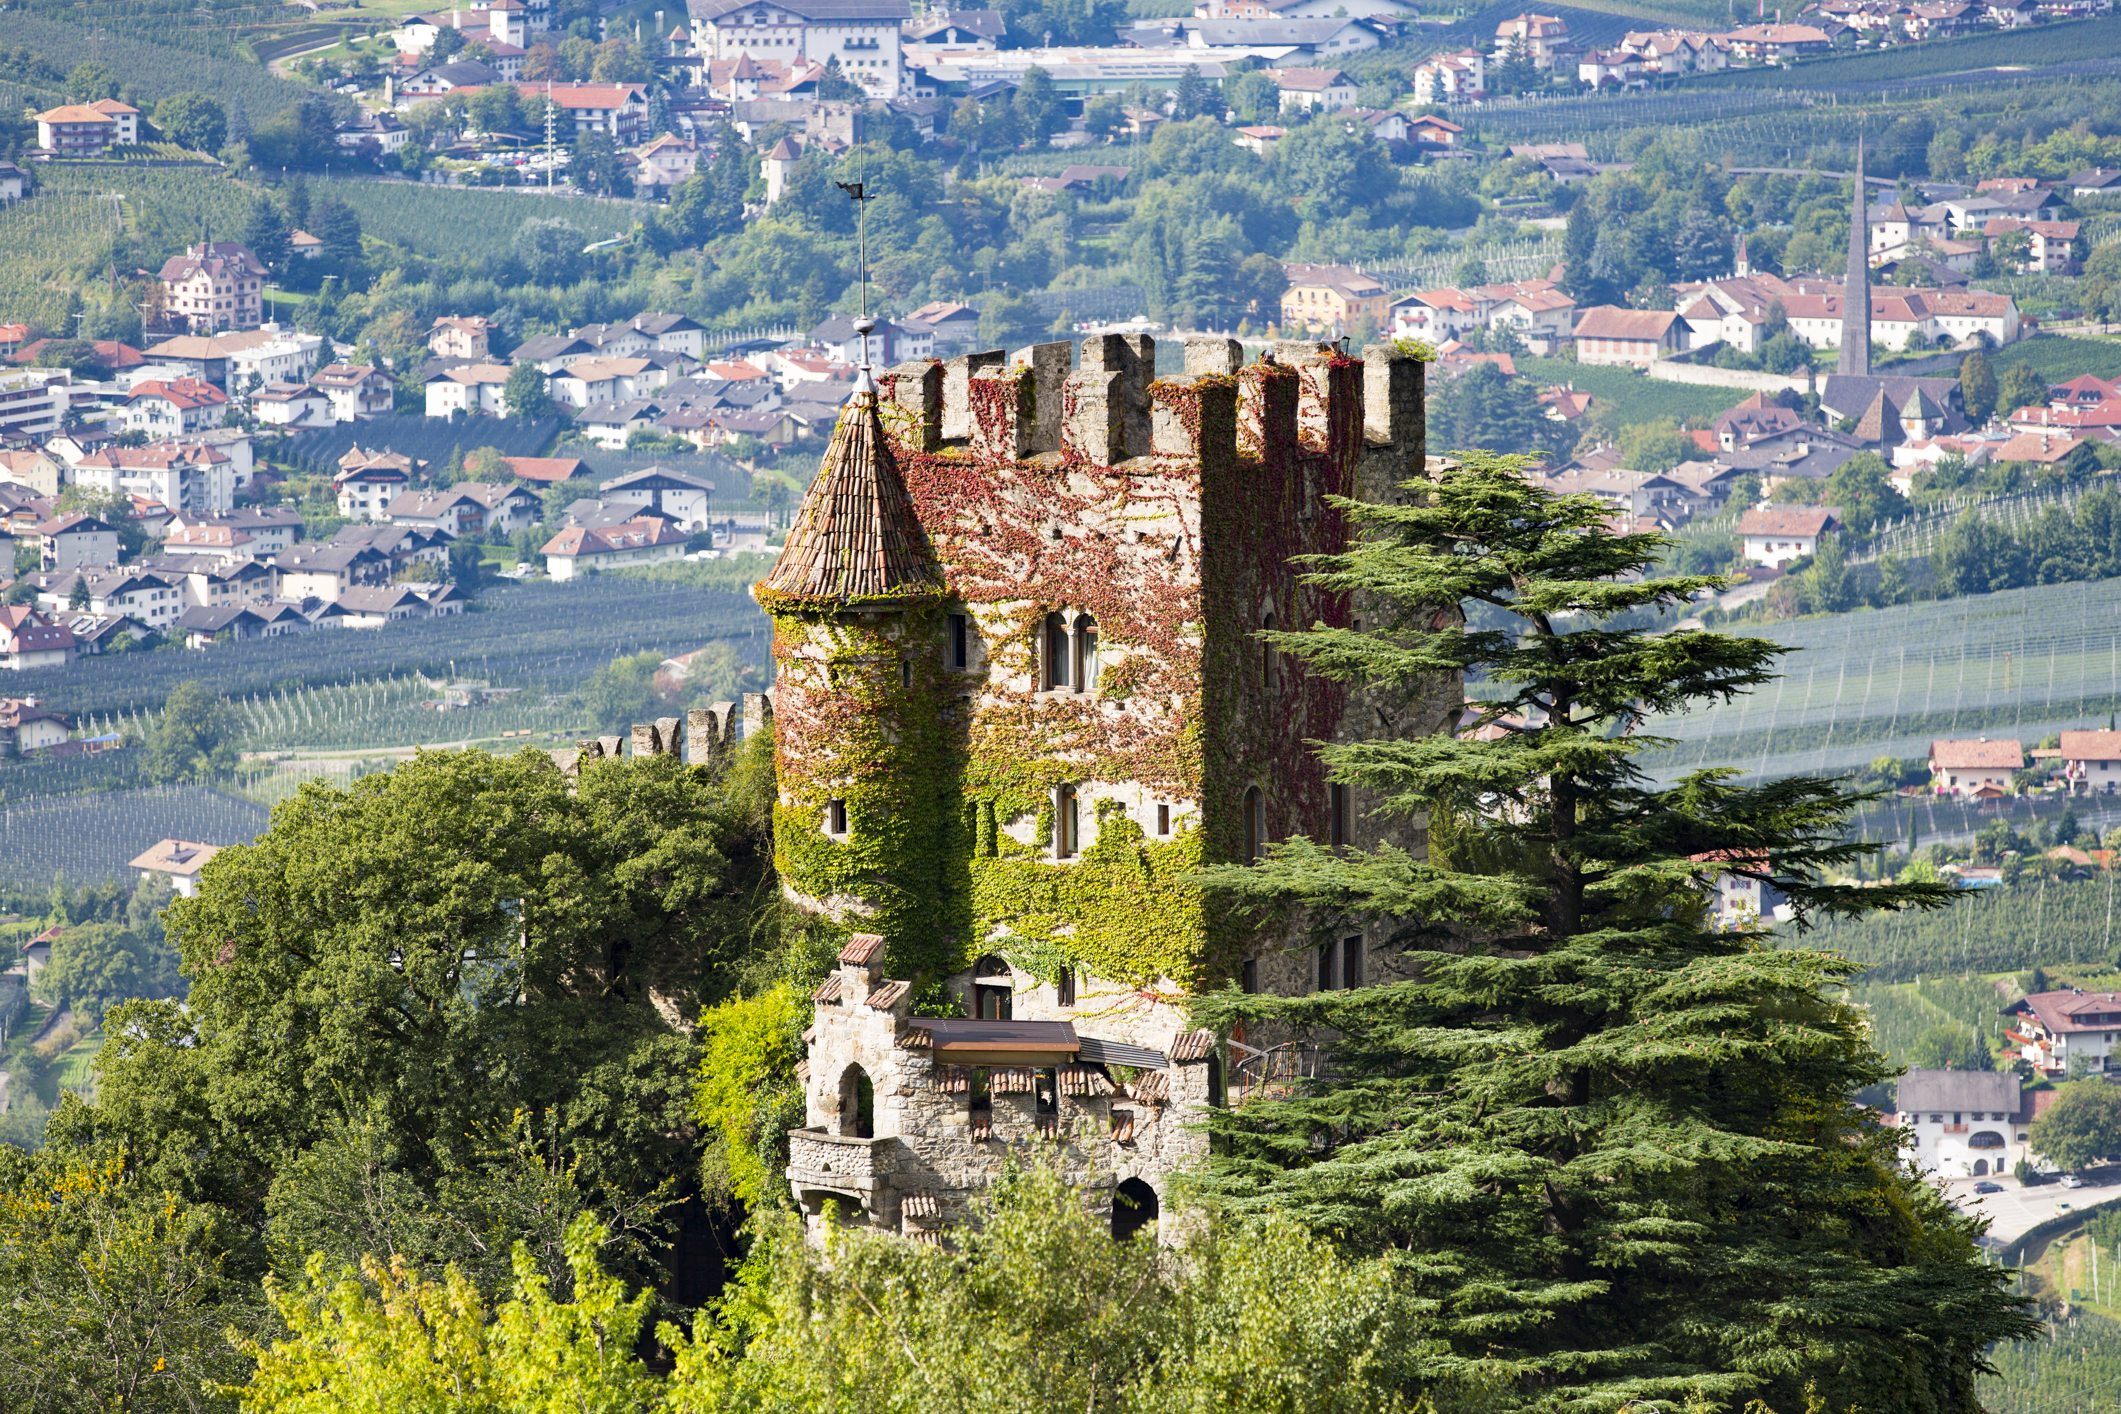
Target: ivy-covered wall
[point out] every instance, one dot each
(949, 776)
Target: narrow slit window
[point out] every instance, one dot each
(1255, 824)
(1066, 821)
(1064, 988)
(1337, 798)
(1163, 819)
(960, 646)
(1351, 962)
(1248, 976)
(1266, 659)
(1085, 654)
(836, 817)
(1325, 967)
(905, 672)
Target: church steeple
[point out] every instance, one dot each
(1856, 287)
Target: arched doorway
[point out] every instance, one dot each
(1133, 1208)
(1980, 1167)
(993, 989)
(857, 1105)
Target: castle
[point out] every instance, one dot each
(1021, 697)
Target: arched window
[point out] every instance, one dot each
(1085, 653)
(1067, 824)
(1984, 1139)
(993, 989)
(1056, 652)
(857, 1104)
(1255, 824)
(1133, 1208)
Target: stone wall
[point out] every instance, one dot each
(931, 1153)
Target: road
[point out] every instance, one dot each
(2018, 1209)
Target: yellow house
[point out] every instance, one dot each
(1331, 299)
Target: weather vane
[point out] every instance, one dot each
(863, 324)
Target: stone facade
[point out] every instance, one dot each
(932, 1136)
(1065, 686)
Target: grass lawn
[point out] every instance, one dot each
(1632, 396)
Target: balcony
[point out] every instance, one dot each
(835, 1163)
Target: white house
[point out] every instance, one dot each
(473, 387)
(579, 550)
(1308, 89)
(1966, 1123)
(1776, 536)
(357, 391)
(2058, 1033)
(1976, 767)
(673, 492)
(161, 407)
(177, 860)
(30, 640)
(2092, 761)
(864, 35)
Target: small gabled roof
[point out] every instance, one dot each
(1981, 754)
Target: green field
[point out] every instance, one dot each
(1632, 397)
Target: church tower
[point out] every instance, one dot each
(1021, 695)
(1856, 287)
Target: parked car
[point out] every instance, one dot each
(1988, 1188)
(2070, 1180)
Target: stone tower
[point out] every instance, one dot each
(1856, 286)
(1021, 693)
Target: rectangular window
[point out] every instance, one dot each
(1325, 967)
(1163, 819)
(1351, 962)
(836, 817)
(1248, 976)
(1064, 988)
(1337, 798)
(960, 642)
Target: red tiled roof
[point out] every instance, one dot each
(1795, 520)
(1607, 321)
(2001, 755)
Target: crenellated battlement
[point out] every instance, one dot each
(1110, 407)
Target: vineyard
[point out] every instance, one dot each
(2063, 923)
(427, 439)
(464, 223)
(540, 635)
(150, 67)
(2030, 47)
(2019, 663)
(93, 837)
(84, 219)
(1901, 1012)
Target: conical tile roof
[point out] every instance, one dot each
(856, 539)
